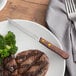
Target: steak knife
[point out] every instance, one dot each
(42, 40)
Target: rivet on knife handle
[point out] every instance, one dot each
(54, 48)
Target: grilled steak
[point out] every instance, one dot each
(1, 70)
(26, 63)
(10, 66)
(32, 63)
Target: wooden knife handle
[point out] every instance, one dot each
(54, 48)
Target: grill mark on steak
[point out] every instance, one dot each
(24, 65)
(38, 68)
(28, 67)
(25, 56)
(36, 64)
(43, 71)
(37, 72)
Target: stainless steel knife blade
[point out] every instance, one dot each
(42, 40)
(25, 31)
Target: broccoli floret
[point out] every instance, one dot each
(13, 49)
(2, 42)
(7, 45)
(10, 38)
(11, 42)
(5, 53)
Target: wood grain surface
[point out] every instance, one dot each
(34, 10)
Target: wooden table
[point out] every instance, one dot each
(34, 10)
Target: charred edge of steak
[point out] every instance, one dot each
(1, 67)
(10, 66)
(8, 59)
(1, 73)
(1, 70)
(6, 73)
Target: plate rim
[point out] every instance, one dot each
(3, 4)
(41, 26)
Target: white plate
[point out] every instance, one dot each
(24, 42)
(2, 4)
